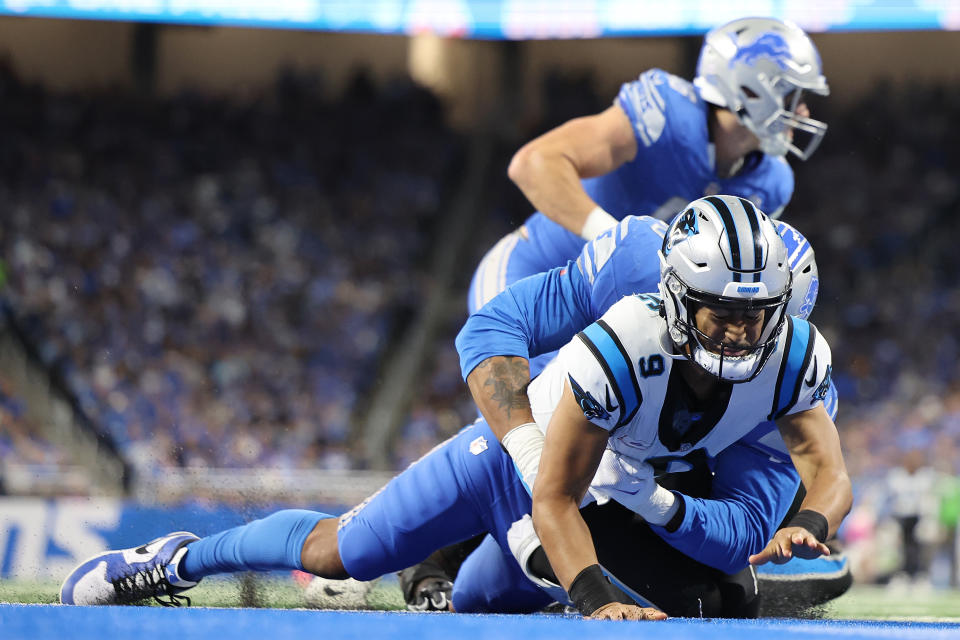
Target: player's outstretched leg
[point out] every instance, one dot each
(129, 575)
(167, 566)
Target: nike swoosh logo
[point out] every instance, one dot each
(813, 376)
(610, 407)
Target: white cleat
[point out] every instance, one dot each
(130, 575)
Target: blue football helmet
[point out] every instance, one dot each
(806, 278)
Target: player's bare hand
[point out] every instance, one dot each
(620, 611)
(787, 543)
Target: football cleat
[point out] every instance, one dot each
(130, 575)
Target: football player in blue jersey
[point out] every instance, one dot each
(725, 322)
(664, 142)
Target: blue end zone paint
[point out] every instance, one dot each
(36, 622)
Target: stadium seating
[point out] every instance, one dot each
(216, 279)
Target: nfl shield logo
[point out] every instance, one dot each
(478, 446)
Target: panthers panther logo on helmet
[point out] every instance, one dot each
(686, 226)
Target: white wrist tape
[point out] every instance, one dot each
(525, 444)
(663, 504)
(597, 222)
(523, 541)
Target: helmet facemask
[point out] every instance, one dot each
(732, 363)
(772, 116)
(759, 68)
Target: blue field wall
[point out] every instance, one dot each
(44, 539)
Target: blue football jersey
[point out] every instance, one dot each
(539, 314)
(673, 166)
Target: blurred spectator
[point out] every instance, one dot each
(19, 441)
(948, 493)
(216, 279)
(911, 487)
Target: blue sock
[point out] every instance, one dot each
(274, 542)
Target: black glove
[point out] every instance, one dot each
(431, 594)
(426, 587)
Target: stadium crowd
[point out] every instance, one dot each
(216, 280)
(882, 200)
(20, 442)
(219, 280)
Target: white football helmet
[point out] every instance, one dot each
(758, 68)
(722, 251)
(803, 266)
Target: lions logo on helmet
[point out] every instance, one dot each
(770, 45)
(806, 281)
(758, 68)
(736, 260)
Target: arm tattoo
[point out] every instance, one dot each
(509, 377)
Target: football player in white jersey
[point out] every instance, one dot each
(551, 308)
(696, 368)
(636, 392)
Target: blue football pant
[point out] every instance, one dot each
(466, 486)
(491, 581)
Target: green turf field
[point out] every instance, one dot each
(242, 591)
(861, 602)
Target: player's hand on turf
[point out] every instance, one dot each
(620, 611)
(787, 543)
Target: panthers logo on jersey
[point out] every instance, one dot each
(588, 404)
(821, 391)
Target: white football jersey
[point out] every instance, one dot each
(625, 383)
